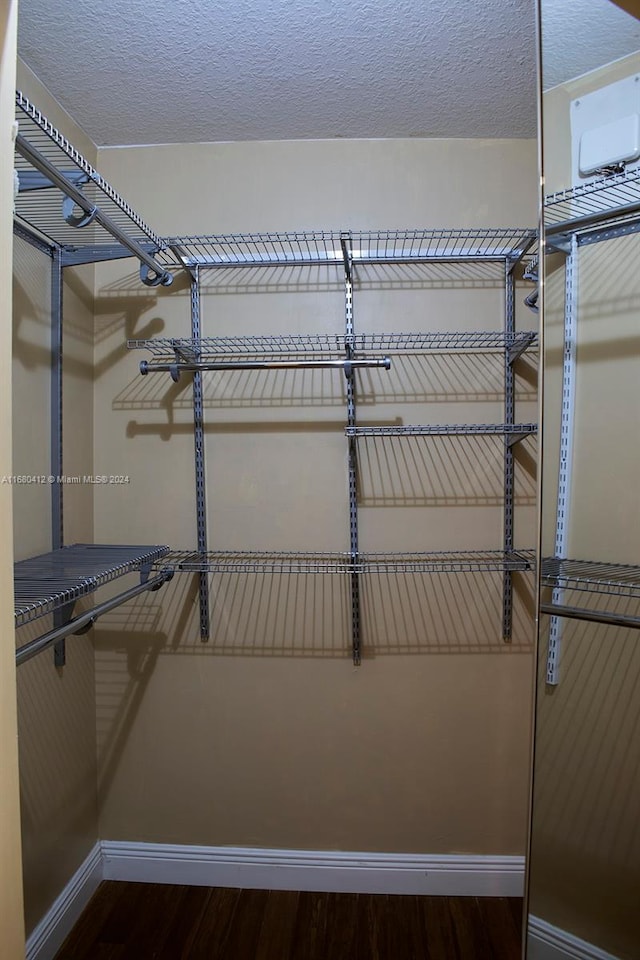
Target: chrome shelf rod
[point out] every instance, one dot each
(594, 616)
(40, 162)
(175, 369)
(86, 620)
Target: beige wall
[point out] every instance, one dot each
(267, 735)
(585, 847)
(11, 914)
(56, 708)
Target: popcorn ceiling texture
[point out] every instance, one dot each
(173, 71)
(580, 35)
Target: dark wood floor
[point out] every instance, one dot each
(139, 921)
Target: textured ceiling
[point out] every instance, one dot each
(168, 71)
(580, 35)
(135, 71)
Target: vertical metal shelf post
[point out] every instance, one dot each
(345, 243)
(56, 460)
(566, 448)
(198, 435)
(509, 419)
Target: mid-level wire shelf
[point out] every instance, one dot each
(63, 198)
(174, 355)
(280, 562)
(592, 576)
(599, 578)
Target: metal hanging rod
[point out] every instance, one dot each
(594, 616)
(81, 623)
(176, 368)
(151, 272)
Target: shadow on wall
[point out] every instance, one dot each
(585, 858)
(57, 746)
(320, 279)
(293, 616)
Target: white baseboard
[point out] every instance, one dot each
(547, 942)
(257, 868)
(48, 936)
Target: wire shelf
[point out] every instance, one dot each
(592, 576)
(331, 247)
(184, 561)
(445, 430)
(47, 582)
(330, 346)
(616, 197)
(42, 208)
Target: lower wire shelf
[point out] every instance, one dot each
(50, 581)
(593, 577)
(467, 561)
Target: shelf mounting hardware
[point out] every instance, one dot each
(151, 272)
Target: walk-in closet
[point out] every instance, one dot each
(274, 525)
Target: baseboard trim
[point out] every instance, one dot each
(48, 936)
(257, 868)
(547, 942)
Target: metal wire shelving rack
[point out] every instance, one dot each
(603, 209)
(462, 253)
(65, 209)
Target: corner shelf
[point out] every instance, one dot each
(45, 583)
(64, 199)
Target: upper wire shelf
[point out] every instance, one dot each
(47, 582)
(468, 561)
(613, 198)
(330, 345)
(592, 576)
(58, 188)
(337, 247)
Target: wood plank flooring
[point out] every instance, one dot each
(141, 921)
